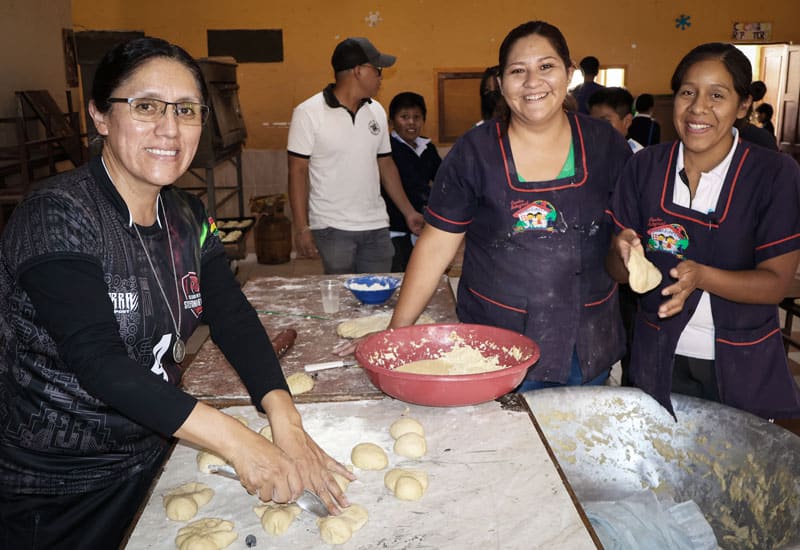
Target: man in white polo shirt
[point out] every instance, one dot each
(339, 155)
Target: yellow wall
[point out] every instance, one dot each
(427, 35)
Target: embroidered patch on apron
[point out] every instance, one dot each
(670, 237)
(538, 215)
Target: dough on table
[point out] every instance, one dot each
(182, 503)
(405, 425)
(276, 518)
(406, 484)
(643, 276)
(410, 445)
(369, 456)
(339, 529)
(206, 534)
(356, 328)
(266, 431)
(299, 382)
(206, 459)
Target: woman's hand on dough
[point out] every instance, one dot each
(347, 347)
(625, 241)
(264, 469)
(689, 276)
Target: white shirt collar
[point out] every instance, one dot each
(130, 215)
(710, 185)
(421, 143)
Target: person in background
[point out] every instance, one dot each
(764, 116)
(417, 161)
(644, 128)
(105, 271)
(590, 67)
(749, 131)
(339, 156)
(720, 218)
(492, 104)
(544, 279)
(614, 105)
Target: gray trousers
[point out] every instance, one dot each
(354, 251)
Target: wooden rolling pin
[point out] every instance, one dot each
(283, 341)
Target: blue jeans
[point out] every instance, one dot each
(354, 251)
(575, 379)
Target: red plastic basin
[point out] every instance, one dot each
(381, 352)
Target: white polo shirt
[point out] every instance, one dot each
(343, 152)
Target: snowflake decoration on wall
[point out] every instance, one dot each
(682, 22)
(373, 18)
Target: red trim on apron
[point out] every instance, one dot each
(753, 343)
(495, 302)
(779, 241)
(598, 302)
(435, 215)
(545, 189)
(708, 224)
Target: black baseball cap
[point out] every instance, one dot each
(358, 51)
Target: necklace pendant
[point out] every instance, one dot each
(178, 350)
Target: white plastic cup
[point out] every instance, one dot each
(330, 295)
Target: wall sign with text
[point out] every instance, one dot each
(752, 32)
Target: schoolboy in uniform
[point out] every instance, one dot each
(613, 105)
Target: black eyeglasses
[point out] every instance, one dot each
(378, 70)
(145, 109)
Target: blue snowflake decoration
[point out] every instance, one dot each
(682, 22)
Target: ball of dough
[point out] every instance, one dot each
(391, 477)
(182, 503)
(266, 431)
(206, 534)
(369, 456)
(276, 518)
(410, 445)
(408, 488)
(643, 276)
(206, 459)
(299, 382)
(339, 529)
(405, 425)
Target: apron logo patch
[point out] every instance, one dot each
(535, 216)
(671, 238)
(374, 128)
(190, 284)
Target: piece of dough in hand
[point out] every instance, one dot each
(643, 275)
(182, 503)
(299, 382)
(369, 456)
(206, 534)
(276, 518)
(339, 529)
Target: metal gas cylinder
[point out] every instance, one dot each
(272, 232)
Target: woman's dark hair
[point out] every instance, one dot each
(407, 100)
(766, 110)
(758, 90)
(736, 63)
(491, 98)
(119, 63)
(541, 28)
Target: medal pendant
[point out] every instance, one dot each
(178, 350)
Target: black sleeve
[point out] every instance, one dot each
(80, 318)
(235, 327)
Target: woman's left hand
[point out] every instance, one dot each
(689, 277)
(314, 465)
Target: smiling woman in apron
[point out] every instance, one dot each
(529, 193)
(720, 217)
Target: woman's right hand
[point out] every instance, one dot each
(625, 241)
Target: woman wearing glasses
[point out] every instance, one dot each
(105, 271)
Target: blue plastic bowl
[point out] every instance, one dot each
(384, 288)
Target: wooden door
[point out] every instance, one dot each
(781, 74)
